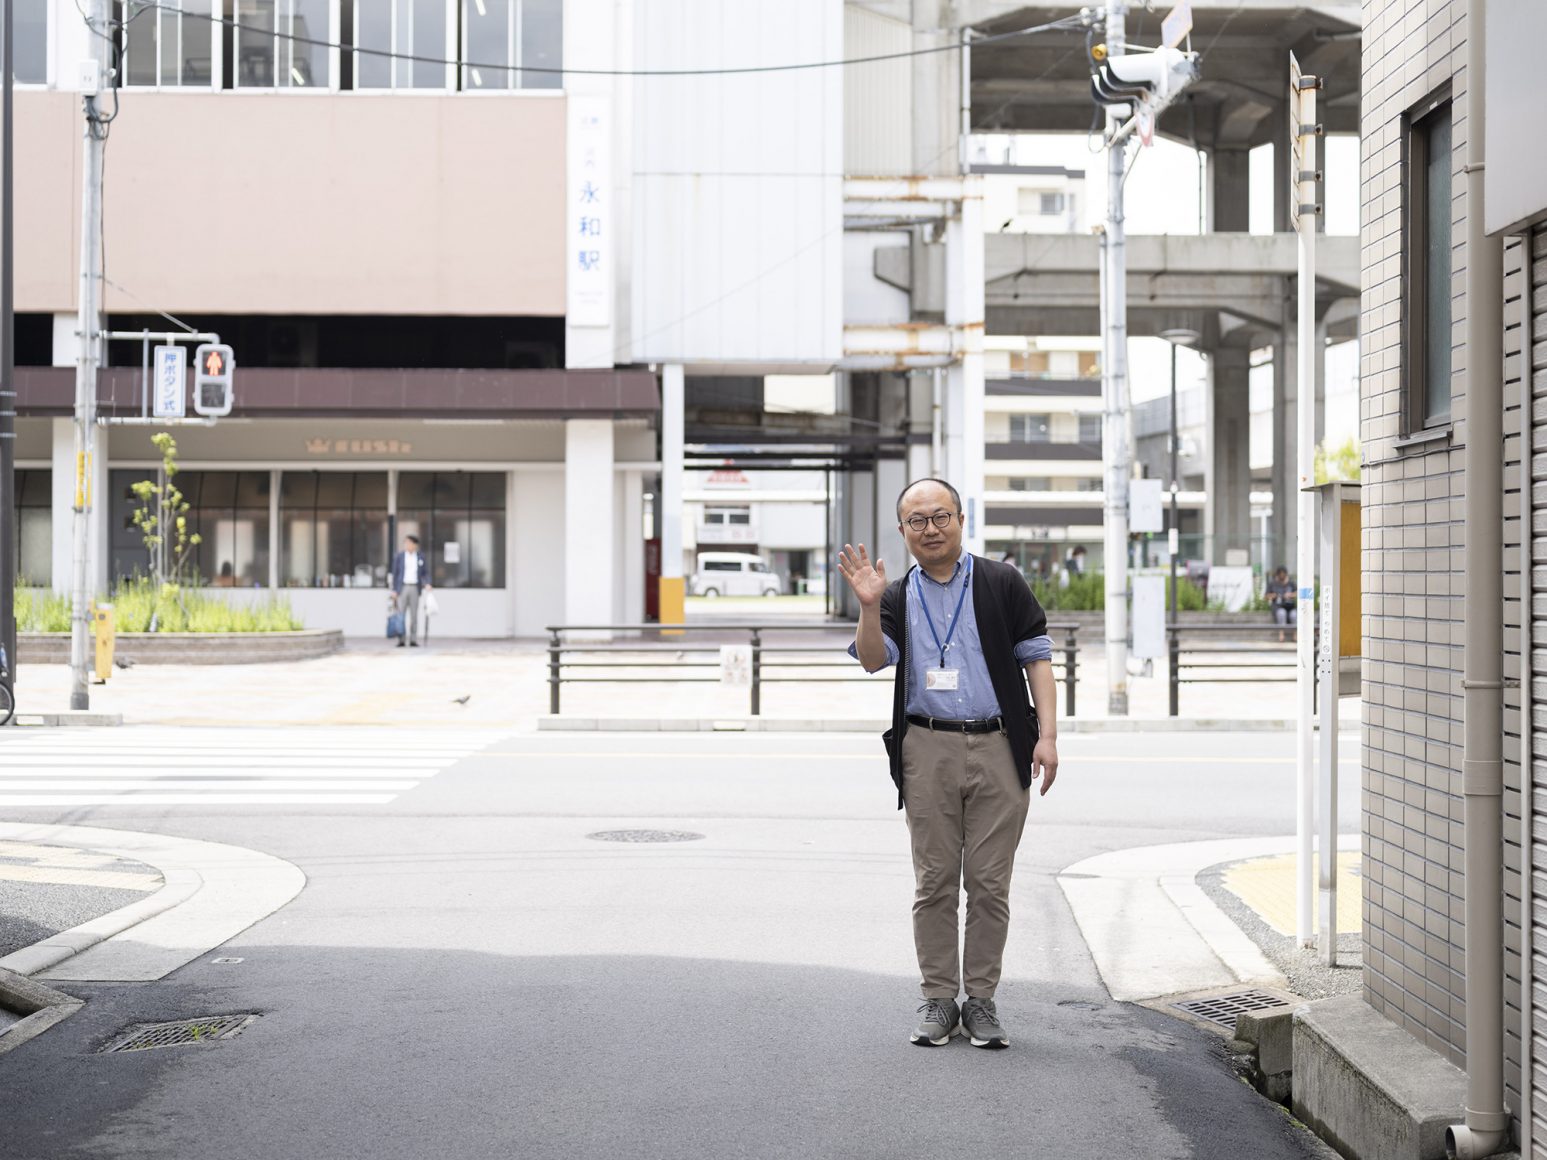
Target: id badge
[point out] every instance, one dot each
(941, 680)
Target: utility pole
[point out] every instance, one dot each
(95, 80)
(8, 513)
(1116, 452)
(1303, 175)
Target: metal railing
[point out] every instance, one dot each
(670, 654)
(1230, 650)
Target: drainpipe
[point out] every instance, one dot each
(1487, 1123)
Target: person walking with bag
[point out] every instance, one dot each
(410, 577)
(967, 637)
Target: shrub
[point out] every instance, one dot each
(1087, 593)
(176, 610)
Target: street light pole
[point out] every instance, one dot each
(8, 511)
(1175, 544)
(88, 327)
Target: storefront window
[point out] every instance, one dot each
(333, 529)
(230, 512)
(459, 517)
(34, 529)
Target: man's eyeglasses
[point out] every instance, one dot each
(940, 520)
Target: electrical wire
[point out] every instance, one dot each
(1066, 22)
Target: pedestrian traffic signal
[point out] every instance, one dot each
(213, 370)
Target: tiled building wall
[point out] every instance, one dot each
(1414, 560)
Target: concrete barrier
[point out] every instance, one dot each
(190, 648)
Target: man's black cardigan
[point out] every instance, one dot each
(1007, 613)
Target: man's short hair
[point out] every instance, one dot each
(955, 495)
(412, 539)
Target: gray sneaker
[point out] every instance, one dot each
(939, 1020)
(981, 1021)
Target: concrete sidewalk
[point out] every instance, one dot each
(505, 683)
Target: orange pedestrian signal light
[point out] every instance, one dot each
(214, 368)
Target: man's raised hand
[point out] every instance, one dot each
(868, 580)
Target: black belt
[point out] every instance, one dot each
(991, 725)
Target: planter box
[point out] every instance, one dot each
(190, 648)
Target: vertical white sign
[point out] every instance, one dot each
(736, 665)
(590, 223)
(1145, 511)
(169, 377)
(1149, 616)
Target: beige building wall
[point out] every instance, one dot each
(302, 203)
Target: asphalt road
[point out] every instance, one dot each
(468, 974)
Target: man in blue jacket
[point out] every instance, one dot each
(410, 577)
(967, 637)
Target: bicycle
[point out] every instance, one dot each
(7, 697)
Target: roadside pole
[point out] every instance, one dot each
(89, 323)
(8, 510)
(1305, 211)
(1114, 396)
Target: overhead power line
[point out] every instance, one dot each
(1063, 24)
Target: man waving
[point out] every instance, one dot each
(967, 637)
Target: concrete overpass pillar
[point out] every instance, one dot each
(1229, 191)
(589, 525)
(1227, 511)
(1286, 480)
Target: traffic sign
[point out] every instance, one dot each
(213, 369)
(169, 392)
(1177, 25)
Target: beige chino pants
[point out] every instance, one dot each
(965, 810)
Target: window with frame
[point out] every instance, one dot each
(170, 46)
(29, 57)
(1030, 428)
(34, 528)
(1427, 287)
(503, 41)
(1031, 483)
(399, 44)
(229, 510)
(1090, 428)
(459, 517)
(333, 529)
(724, 516)
(277, 44)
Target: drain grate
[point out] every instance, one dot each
(143, 1036)
(645, 836)
(1222, 1009)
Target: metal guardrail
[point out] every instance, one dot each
(1223, 642)
(613, 654)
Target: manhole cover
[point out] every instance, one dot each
(183, 1031)
(645, 836)
(1222, 1009)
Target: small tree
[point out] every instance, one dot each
(162, 518)
(1340, 463)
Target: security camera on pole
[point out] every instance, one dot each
(1134, 89)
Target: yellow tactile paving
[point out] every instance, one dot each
(1267, 885)
(61, 866)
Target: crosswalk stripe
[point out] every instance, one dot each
(167, 766)
(196, 799)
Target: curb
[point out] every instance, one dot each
(54, 719)
(212, 893)
(1152, 930)
(561, 724)
(40, 1006)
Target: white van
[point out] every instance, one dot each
(734, 574)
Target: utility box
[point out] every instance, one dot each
(102, 629)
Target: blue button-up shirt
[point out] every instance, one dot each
(973, 698)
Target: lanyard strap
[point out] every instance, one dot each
(918, 584)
